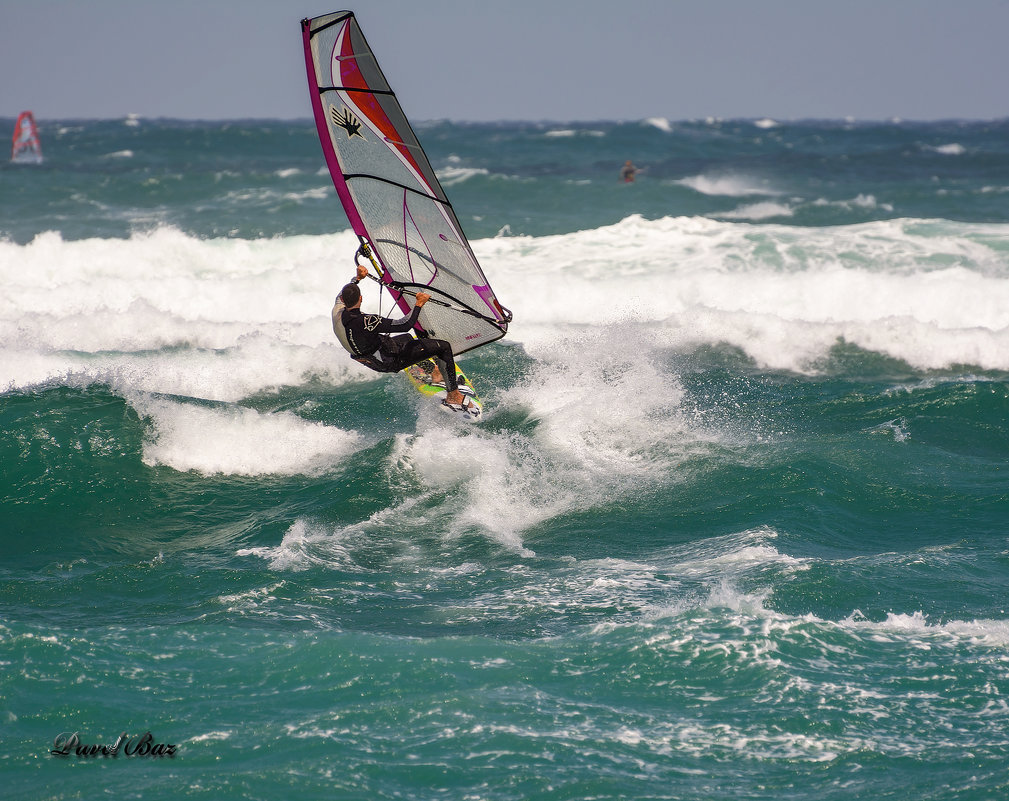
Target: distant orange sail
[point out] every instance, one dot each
(26, 148)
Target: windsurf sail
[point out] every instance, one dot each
(389, 189)
(26, 148)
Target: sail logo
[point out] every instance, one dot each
(347, 121)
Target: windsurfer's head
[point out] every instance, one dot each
(351, 295)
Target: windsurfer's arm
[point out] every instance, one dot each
(388, 326)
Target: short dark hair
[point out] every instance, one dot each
(350, 295)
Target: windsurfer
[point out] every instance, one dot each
(628, 171)
(367, 337)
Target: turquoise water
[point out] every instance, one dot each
(734, 524)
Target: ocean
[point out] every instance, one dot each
(735, 524)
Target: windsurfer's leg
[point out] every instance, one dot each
(441, 352)
(448, 375)
(446, 363)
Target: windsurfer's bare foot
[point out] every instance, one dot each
(454, 397)
(436, 376)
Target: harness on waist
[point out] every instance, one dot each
(368, 360)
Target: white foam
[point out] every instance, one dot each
(308, 542)
(610, 430)
(268, 198)
(316, 193)
(568, 133)
(933, 294)
(164, 312)
(766, 123)
(250, 600)
(293, 552)
(726, 563)
(449, 176)
(757, 211)
(729, 556)
(952, 149)
(661, 123)
(222, 319)
(915, 627)
(865, 202)
(240, 441)
(210, 736)
(728, 185)
(894, 428)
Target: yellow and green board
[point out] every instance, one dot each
(420, 376)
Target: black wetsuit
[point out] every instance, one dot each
(368, 337)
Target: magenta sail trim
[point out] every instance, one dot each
(332, 162)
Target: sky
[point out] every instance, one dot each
(482, 60)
